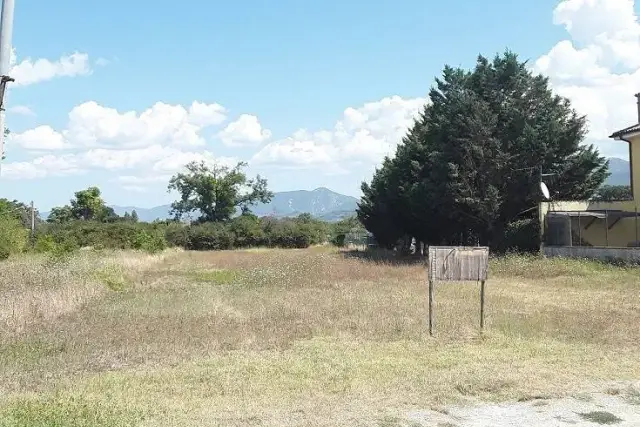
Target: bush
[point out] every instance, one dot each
(244, 231)
(247, 231)
(149, 241)
(176, 234)
(522, 236)
(287, 234)
(209, 237)
(43, 243)
(13, 237)
(339, 240)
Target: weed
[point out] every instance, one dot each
(67, 412)
(217, 276)
(112, 278)
(600, 417)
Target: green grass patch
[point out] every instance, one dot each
(111, 278)
(216, 277)
(601, 417)
(66, 412)
(28, 352)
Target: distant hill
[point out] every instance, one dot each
(619, 169)
(321, 203)
(145, 214)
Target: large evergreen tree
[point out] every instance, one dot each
(471, 163)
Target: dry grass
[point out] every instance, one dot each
(297, 337)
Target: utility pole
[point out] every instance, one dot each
(6, 31)
(33, 220)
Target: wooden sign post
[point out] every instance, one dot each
(457, 264)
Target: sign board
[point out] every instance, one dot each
(457, 263)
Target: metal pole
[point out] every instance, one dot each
(636, 223)
(430, 307)
(33, 219)
(606, 227)
(482, 305)
(579, 229)
(6, 30)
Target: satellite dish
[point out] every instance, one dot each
(545, 190)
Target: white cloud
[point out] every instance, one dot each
(22, 110)
(92, 125)
(28, 71)
(41, 167)
(598, 68)
(363, 135)
(246, 131)
(41, 138)
(157, 141)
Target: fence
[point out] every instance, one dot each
(601, 228)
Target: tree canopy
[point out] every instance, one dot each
(610, 193)
(86, 205)
(470, 164)
(19, 211)
(216, 192)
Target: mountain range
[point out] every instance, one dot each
(620, 172)
(325, 204)
(321, 203)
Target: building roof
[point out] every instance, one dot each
(626, 131)
(611, 213)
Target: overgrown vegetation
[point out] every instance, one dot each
(244, 231)
(312, 337)
(216, 192)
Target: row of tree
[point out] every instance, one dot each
(210, 193)
(469, 168)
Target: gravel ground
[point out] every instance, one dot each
(620, 407)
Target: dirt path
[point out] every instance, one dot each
(622, 409)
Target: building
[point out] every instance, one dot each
(602, 230)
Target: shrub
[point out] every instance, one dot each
(149, 241)
(209, 236)
(522, 236)
(176, 234)
(247, 231)
(43, 243)
(339, 240)
(288, 234)
(13, 237)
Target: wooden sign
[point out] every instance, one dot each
(457, 264)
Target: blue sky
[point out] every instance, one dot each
(310, 93)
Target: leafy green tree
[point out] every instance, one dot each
(134, 216)
(216, 192)
(60, 215)
(609, 193)
(471, 163)
(20, 211)
(88, 205)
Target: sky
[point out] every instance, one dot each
(122, 94)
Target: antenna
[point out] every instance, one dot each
(545, 190)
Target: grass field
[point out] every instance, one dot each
(297, 337)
